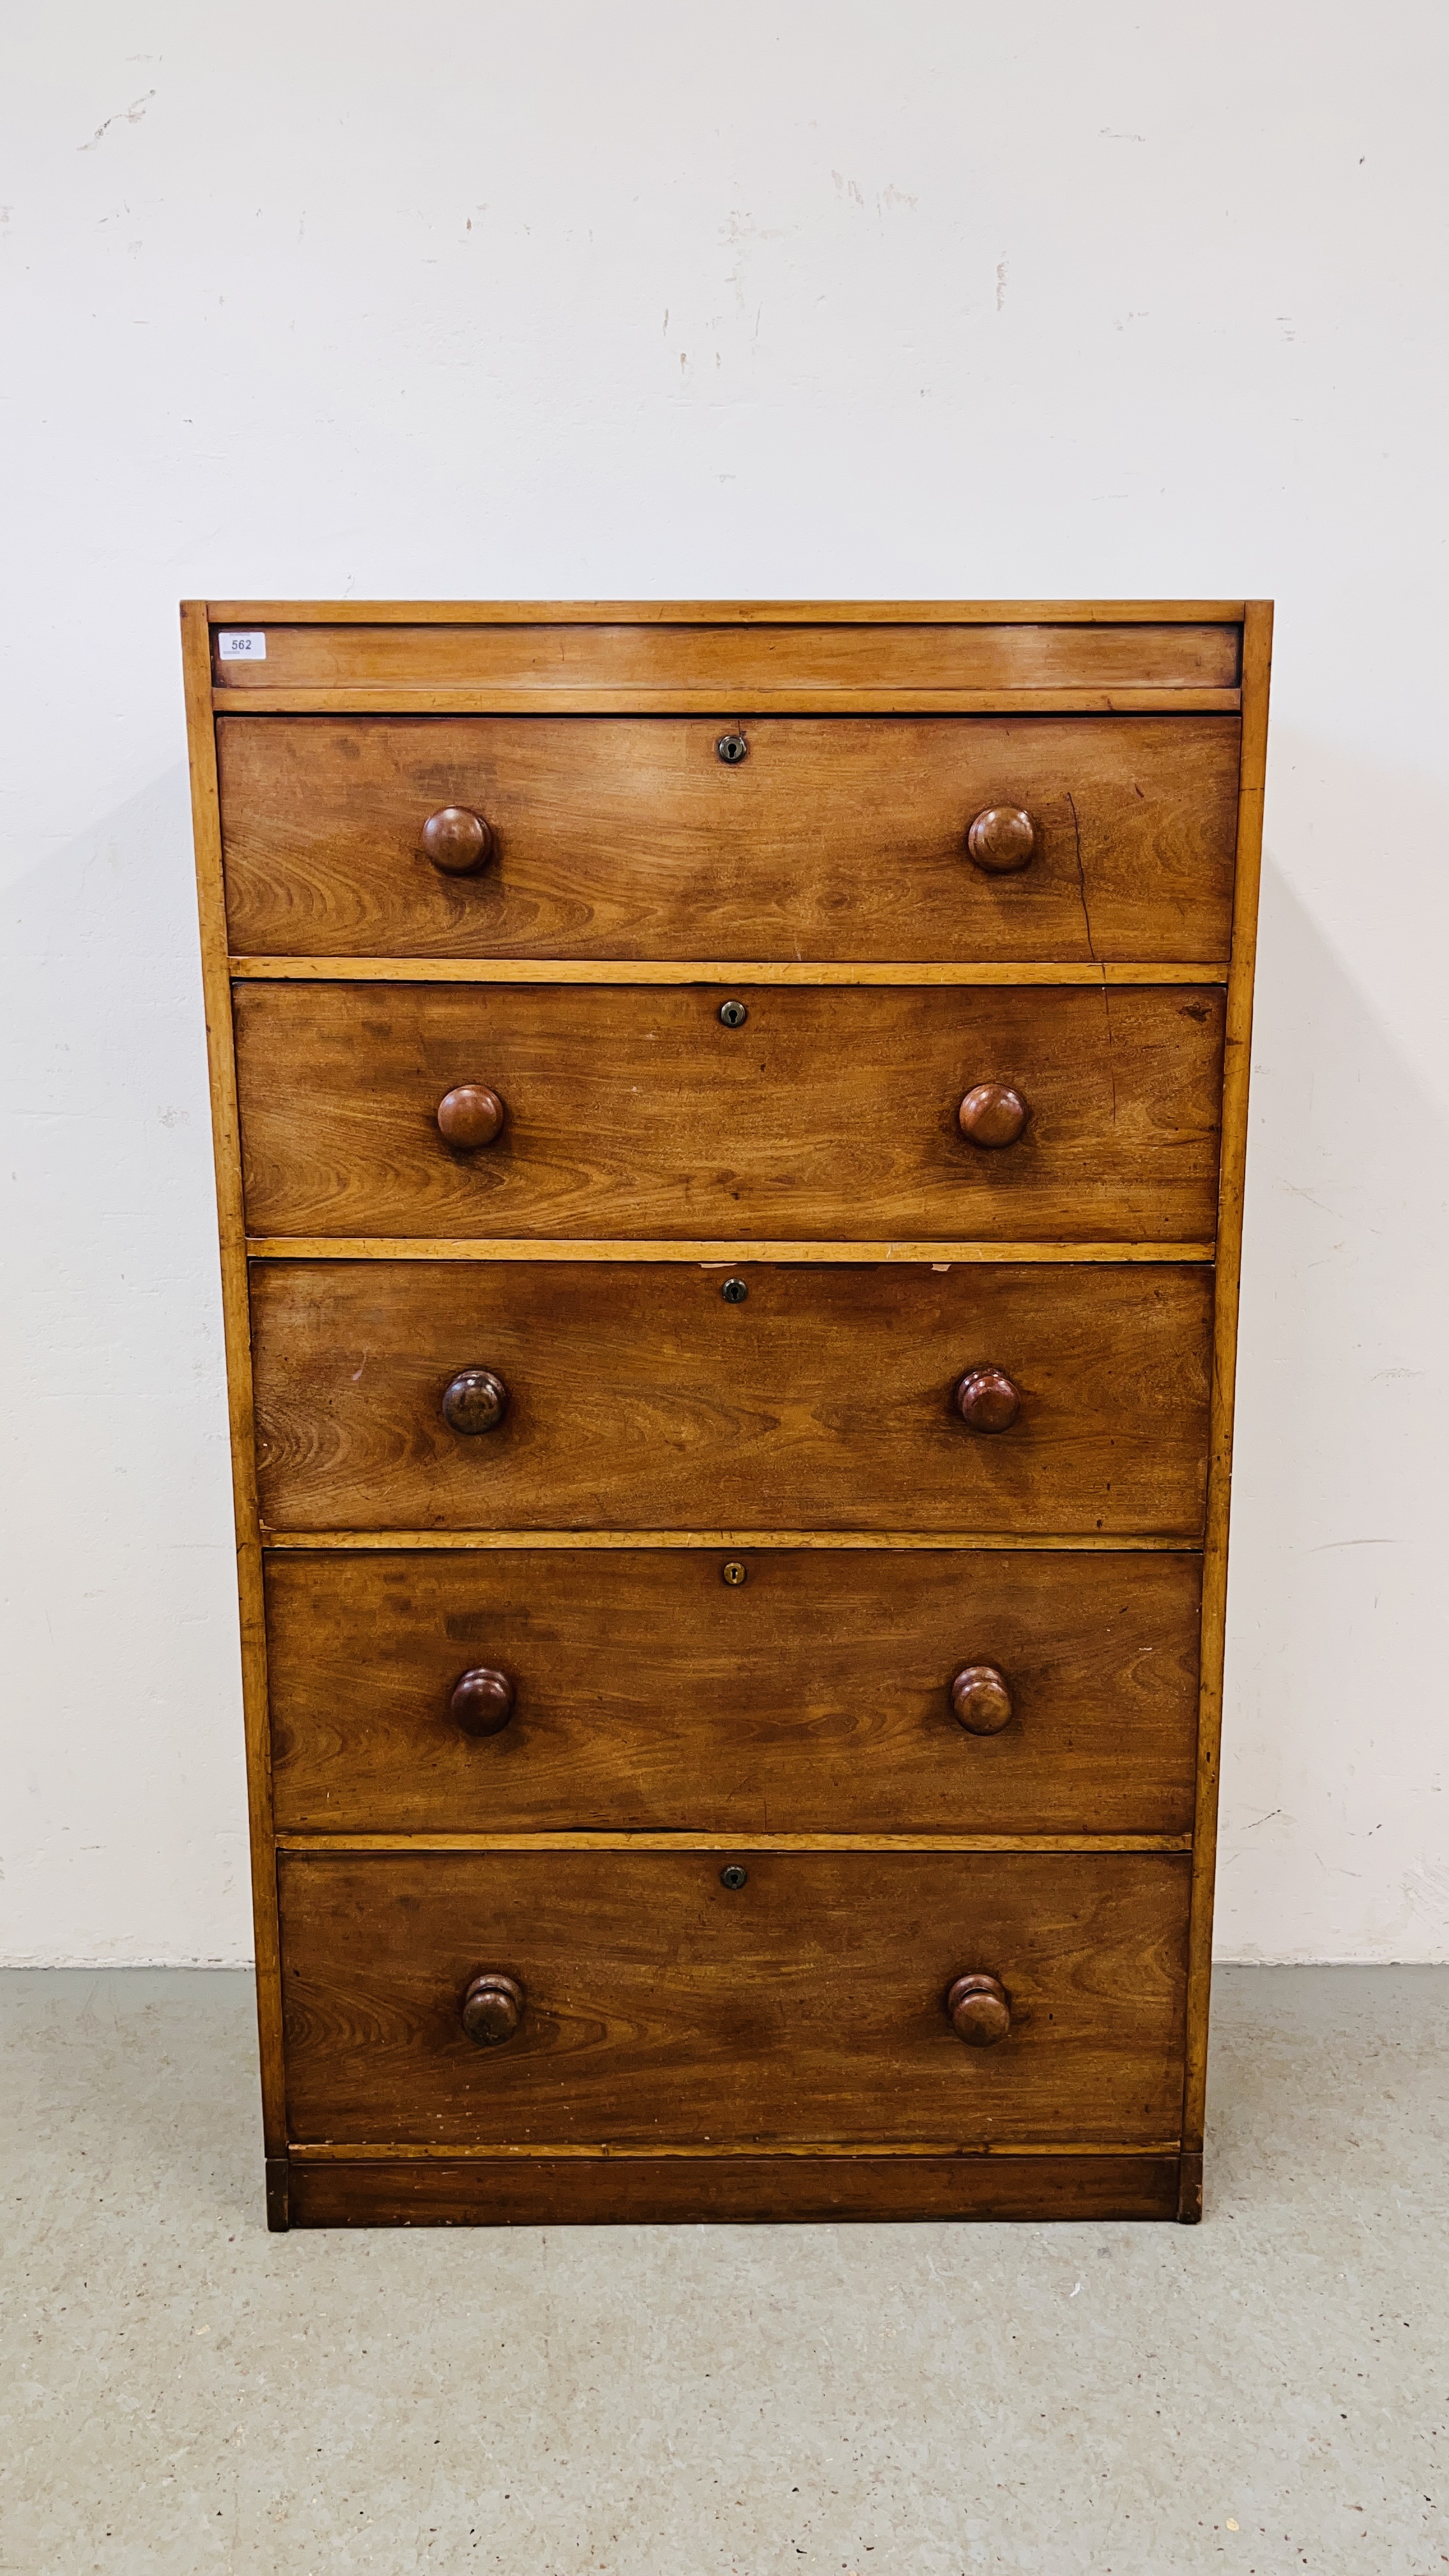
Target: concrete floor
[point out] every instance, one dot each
(182, 2392)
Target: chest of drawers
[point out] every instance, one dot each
(729, 1128)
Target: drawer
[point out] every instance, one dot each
(657, 2006)
(664, 2007)
(702, 660)
(634, 1110)
(836, 838)
(639, 1398)
(812, 1696)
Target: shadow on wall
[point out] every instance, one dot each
(126, 1822)
(1334, 1797)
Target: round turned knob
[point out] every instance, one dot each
(492, 2008)
(475, 1400)
(991, 1114)
(979, 2010)
(457, 840)
(979, 1698)
(470, 1114)
(482, 1700)
(1001, 840)
(987, 1400)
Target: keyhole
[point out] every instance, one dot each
(732, 748)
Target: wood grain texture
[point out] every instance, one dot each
(668, 970)
(536, 699)
(1258, 651)
(721, 612)
(663, 2006)
(330, 1843)
(659, 2190)
(933, 1542)
(206, 827)
(639, 1399)
(838, 838)
(732, 664)
(317, 2151)
(635, 1112)
(651, 1693)
(702, 1253)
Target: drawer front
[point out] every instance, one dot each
(837, 838)
(661, 2007)
(638, 1398)
(737, 661)
(814, 1695)
(635, 1110)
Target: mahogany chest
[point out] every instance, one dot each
(729, 1129)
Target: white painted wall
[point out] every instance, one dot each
(657, 299)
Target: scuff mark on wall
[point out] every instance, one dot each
(131, 115)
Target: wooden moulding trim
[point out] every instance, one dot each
(761, 1251)
(944, 1542)
(206, 822)
(325, 1846)
(1257, 665)
(413, 698)
(633, 970)
(716, 612)
(324, 2151)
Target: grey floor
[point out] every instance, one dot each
(183, 2392)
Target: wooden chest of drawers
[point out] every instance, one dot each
(730, 1130)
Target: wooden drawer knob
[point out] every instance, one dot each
(979, 1697)
(987, 1400)
(978, 2009)
(482, 1700)
(470, 1114)
(991, 1114)
(1001, 840)
(457, 841)
(475, 1400)
(492, 2008)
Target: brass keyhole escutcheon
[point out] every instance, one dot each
(732, 748)
(733, 1014)
(734, 1572)
(734, 1292)
(732, 1875)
